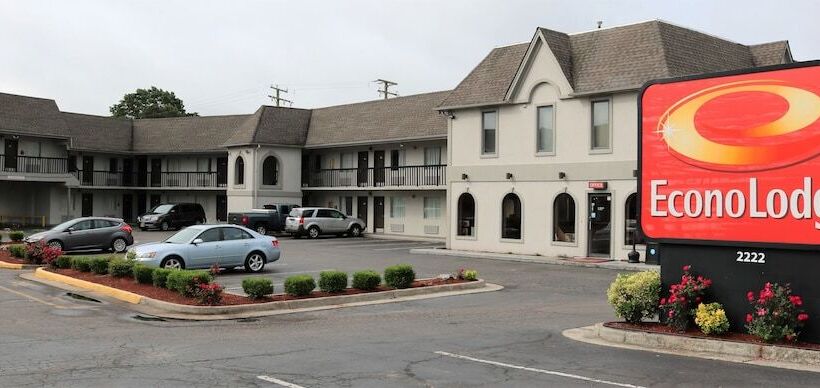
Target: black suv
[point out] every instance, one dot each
(172, 215)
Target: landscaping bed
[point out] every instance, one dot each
(8, 258)
(692, 332)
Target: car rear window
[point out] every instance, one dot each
(295, 213)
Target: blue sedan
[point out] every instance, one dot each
(203, 246)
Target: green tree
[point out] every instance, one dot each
(149, 103)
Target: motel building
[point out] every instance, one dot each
(534, 152)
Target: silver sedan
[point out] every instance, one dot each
(203, 246)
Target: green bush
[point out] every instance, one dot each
(635, 296)
(131, 255)
(63, 262)
(143, 274)
(366, 280)
(82, 264)
(471, 275)
(99, 265)
(332, 281)
(121, 268)
(711, 319)
(399, 276)
(18, 251)
(159, 277)
(16, 236)
(299, 285)
(257, 287)
(187, 282)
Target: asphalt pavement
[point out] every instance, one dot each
(510, 338)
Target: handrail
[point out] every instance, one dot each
(151, 178)
(421, 175)
(34, 164)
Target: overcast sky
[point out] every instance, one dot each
(221, 56)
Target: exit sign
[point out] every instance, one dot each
(597, 185)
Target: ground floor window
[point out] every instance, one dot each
(432, 207)
(396, 207)
(563, 218)
(511, 217)
(631, 224)
(466, 215)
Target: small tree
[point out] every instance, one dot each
(149, 103)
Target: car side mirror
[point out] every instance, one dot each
(70, 230)
(197, 241)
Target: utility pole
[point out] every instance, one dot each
(275, 97)
(385, 91)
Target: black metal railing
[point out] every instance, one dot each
(434, 175)
(151, 179)
(34, 164)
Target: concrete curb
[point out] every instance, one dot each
(616, 265)
(708, 348)
(177, 311)
(5, 265)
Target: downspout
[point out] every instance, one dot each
(255, 176)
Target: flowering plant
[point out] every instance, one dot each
(776, 313)
(215, 269)
(677, 309)
(209, 293)
(711, 318)
(466, 274)
(40, 253)
(635, 296)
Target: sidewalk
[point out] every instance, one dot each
(571, 261)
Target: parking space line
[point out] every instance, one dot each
(536, 370)
(278, 382)
(406, 247)
(34, 298)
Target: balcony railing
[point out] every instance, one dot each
(151, 179)
(404, 176)
(34, 164)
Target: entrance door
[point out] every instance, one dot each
(127, 172)
(10, 163)
(141, 203)
(600, 226)
(88, 205)
(221, 207)
(361, 209)
(378, 168)
(378, 213)
(88, 170)
(127, 207)
(156, 172)
(362, 171)
(222, 172)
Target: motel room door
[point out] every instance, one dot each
(599, 229)
(378, 214)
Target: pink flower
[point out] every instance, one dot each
(663, 301)
(697, 300)
(796, 300)
(802, 317)
(671, 313)
(750, 296)
(686, 268)
(761, 312)
(749, 318)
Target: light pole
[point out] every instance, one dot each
(634, 256)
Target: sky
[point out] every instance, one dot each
(221, 57)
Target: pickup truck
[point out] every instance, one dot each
(269, 219)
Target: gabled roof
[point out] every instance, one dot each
(614, 59)
(272, 125)
(31, 115)
(98, 133)
(185, 134)
(400, 118)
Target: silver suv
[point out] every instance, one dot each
(316, 221)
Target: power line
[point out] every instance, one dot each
(385, 90)
(275, 97)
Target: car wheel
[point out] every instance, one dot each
(261, 229)
(56, 244)
(355, 231)
(173, 262)
(164, 226)
(119, 245)
(313, 232)
(255, 262)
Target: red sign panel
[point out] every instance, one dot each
(733, 158)
(597, 185)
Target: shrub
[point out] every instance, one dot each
(82, 264)
(18, 251)
(209, 293)
(143, 274)
(366, 280)
(399, 276)
(131, 255)
(40, 253)
(121, 268)
(682, 296)
(159, 277)
(711, 319)
(332, 281)
(99, 265)
(215, 269)
(187, 282)
(471, 275)
(299, 285)
(257, 287)
(16, 236)
(776, 313)
(635, 296)
(63, 262)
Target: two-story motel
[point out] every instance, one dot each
(534, 152)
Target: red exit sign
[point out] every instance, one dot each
(597, 185)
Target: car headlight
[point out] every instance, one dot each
(33, 239)
(146, 255)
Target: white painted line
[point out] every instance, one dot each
(297, 272)
(407, 247)
(279, 382)
(542, 371)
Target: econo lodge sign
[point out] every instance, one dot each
(732, 157)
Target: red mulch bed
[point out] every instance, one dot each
(6, 256)
(163, 294)
(655, 327)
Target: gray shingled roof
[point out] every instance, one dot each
(31, 115)
(273, 125)
(381, 120)
(615, 59)
(185, 134)
(98, 133)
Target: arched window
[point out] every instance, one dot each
(563, 218)
(511, 217)
(466, 215)
(631, 224)
(239, 171)
(270, 171)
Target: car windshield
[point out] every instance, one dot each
(183, 236)
(64, 225)
(162, 209)
(295, 213)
